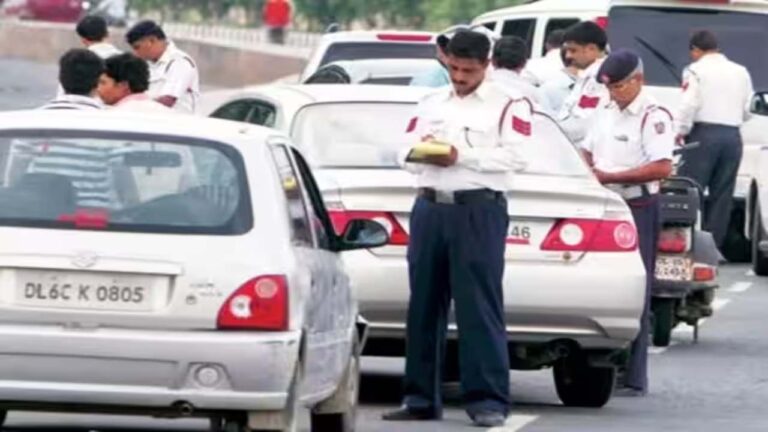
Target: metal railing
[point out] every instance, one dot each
(245, 38)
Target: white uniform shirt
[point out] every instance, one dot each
(512, 80)
(556, 91)
(175, 74)
(542, 70)
(104, 50)
(587, 95)
(73, 102)
(715, 90)
(620, 140)
(485, 127)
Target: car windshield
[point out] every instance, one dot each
(377, 50)
(121, 183)
(370, 135)
(660, 36)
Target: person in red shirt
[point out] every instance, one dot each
(277, 16)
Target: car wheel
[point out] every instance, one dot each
(663, 321)
(736, 246)
(580, 385)
(759, 259)
(291, 410)
(339, 412)
(3, 415)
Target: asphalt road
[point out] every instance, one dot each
(719, 384)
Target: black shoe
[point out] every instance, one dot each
(489, 419)
(405, 413)
(628, 391)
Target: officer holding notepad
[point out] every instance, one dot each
(464, 138)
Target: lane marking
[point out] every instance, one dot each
(740, 287)
(653, 350)
(720, 303)
(515, 423)
(750, 273)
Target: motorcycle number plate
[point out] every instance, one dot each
(674, 268)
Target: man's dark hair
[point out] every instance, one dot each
(79, 71)
(92, 28)
(129, 68)
(510, 52)
(586, 33)
(704, 40)
(468, 44)
(142, 30)
(555, 39)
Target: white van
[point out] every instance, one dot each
(659, 30)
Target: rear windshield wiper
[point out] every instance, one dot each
(661, 57)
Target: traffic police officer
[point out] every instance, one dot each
(630, 148)
(174, 80)
(458, 233)
(716, 97)
(584, 45)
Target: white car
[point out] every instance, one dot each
(172, 266)
(574, 283)
(659, 30)
(368, 45)
(384, 71)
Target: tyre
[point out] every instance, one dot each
(736, 246)
(339, 412)
(580, 385)
(759, 258)
(290, 412)
(663, 321)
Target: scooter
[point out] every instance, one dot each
(687, 261)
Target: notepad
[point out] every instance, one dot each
(423, 150)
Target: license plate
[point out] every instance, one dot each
(673, 268)
(81, 290)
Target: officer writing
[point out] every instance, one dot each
(630, 147)
(465, 138)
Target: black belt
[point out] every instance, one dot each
(461, 197)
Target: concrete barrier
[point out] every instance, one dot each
(220, 65)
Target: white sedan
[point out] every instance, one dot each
(574, 283)
(172, 266)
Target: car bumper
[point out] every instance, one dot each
(596, 302)
(156, 370)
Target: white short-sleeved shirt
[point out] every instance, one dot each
(175, 74)
(486, 127)
(625, 139)
(578, 108)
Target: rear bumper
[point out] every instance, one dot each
(156, 370)
(596, 302)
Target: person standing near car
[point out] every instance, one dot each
(541, 70)
(458, 233)
(277, 18)
(629, 147)
(174, 79)
(510, 54)
(584, 45)
(716, 97)
(94, 35)
(437, 76)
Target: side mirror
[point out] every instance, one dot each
(759, 104)
(363, 234)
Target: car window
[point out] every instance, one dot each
(660, 36)
(236, 111)
(557, 24)
(490, 25)
(522, 28)
(377, 50)
(122, 182)
(322, 225)
(300, 221)
(263, 114)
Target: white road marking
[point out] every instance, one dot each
(515, 423)
(661, 350)
(750, 273)
(740, 287)
(720, 303)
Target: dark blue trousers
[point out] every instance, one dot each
(715, 166)
(457, 251)
(646, 214)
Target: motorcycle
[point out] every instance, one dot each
(687, 261)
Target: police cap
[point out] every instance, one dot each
(618, 66)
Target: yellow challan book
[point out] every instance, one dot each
(423, 150)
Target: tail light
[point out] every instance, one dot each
(602, 22)
(397, 235)
(259, 304)
(398, 37)
(84, 218)
(704, 273)
(673, 241)
(591, 235)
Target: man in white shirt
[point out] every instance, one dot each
(542, 70)
(716, 98)
(458, 233)
(94, 35)
(174, 79)
(510, 54)
(557, 90)
(584, 45)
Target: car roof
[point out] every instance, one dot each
(330, 93)
(179, 125)
(760, 6)
(383, 67)
(544, 6)
(373, 36)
